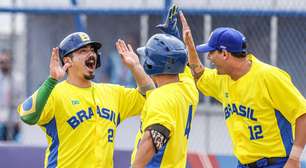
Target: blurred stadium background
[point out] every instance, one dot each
(275, 30)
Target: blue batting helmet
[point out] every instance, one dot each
(164, 54)
(76, 41)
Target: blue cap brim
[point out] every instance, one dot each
(203, 48)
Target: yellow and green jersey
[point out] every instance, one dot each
(172, 106)
(80, 123)
(260, 109)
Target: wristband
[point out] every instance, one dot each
(296, 152)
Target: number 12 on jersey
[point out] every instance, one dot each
(255, 132)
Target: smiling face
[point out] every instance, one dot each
(83, 62)
(219, 59)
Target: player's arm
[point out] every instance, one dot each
(153, 140)
(195, 64)
(290, 102)
(30, 110)
(131, 60)
(299, 142)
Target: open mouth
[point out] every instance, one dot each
(90, 63)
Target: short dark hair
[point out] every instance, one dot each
(241, 54)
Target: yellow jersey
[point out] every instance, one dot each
(260, 109)
(172, 106)
(80, 123)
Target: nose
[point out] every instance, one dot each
(92, 53)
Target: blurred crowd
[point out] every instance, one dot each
(10, 95)
(113, 71)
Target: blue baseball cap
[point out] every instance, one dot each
(224, 38)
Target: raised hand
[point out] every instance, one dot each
(170, 25)
(195, 64)
(187, 36)
(56, 70)
(128, 56)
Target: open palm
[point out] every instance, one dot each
(56, 70)
(128, 56)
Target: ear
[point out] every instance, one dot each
(67, 60)
(225, 54)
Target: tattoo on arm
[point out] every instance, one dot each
(145, 88)
(197, 70)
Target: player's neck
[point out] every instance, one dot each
(239, 69)
(82, 83)
(161, 80)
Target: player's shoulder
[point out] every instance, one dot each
(160, 92)
(266, 71)
(159, 98)
(173, 95)
(168, 92)
(65, 86)
(274, 72)
(60, 86)
(109, 87)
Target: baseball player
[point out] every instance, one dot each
(168, 111)
(79, 116)
(263, 109)
(166, 117)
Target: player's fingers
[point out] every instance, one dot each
(120, 45)
(119, 48)
(53, 53)
(57, 52)
(183, 21)
(57, 57)
(53, 57)
(53, 62)
(123, 45)
(66, 66)
(130, 48)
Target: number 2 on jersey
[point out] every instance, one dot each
(188, 124)
(110, 135)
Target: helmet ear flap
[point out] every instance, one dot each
(147, 67)
(62, 61)
(98, 59)
(61, 55)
